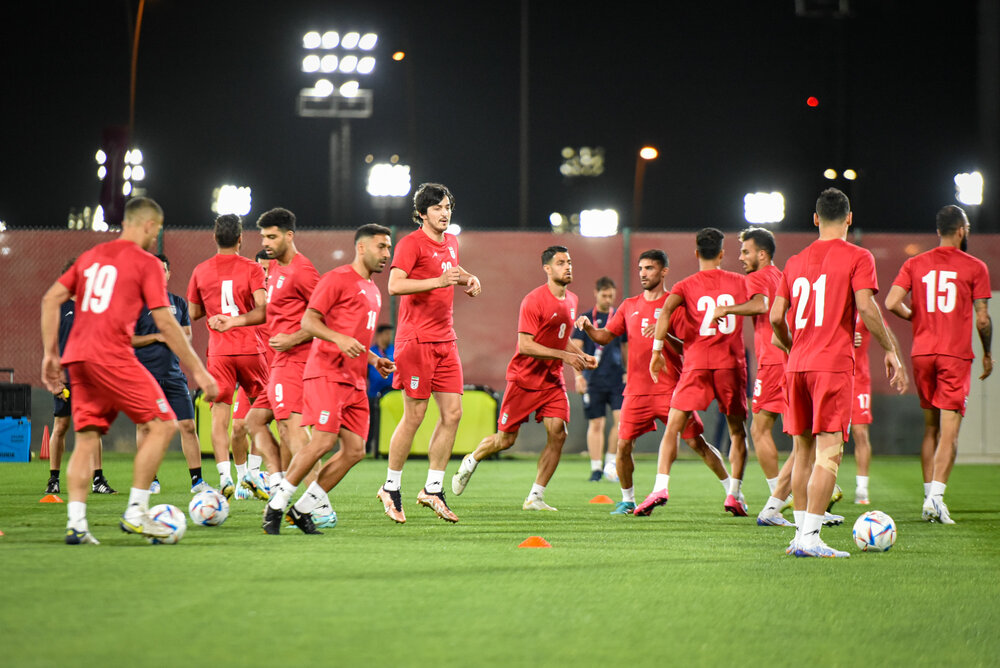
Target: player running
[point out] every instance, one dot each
(942, 344)
(535, 381)
(111, 282)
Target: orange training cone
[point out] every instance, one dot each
(601, 498)
(50, 498)
(535, 541)
(43, 453)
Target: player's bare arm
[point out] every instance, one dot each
(656, 361)
(781, 337)
(872, 317)
(286, 341)
(756, 305)
(52, 374)
(894, 302)
(984, 326)
(473, 287)
(312, 323)
(400, 284)
(600, 336)
(196, 311)
(526, 345)
(383, 365)
(257, 316)
(175, 339)
(143, 340)
(574, 349)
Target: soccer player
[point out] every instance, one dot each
(861, 411)
(825, 286)
(762, 277)
(111, 282)
(603, 387)
(342, 313)
(714, 365)
(942, 344)
(228, 290)
(535, 381)
(647, 401)
(154, 354)
(424, 270)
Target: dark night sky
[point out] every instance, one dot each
(718, 87)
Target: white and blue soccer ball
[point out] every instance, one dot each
(875, 531)
(170, 517)
(208, 508)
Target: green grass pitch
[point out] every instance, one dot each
(689, 585)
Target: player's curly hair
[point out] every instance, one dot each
(656, 255)
(283, 219)
(427, 195)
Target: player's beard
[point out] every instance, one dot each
(564, 280)
(963, 245)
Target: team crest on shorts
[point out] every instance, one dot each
(324, 417)
(162, 405)
(503, 419)
(414, 382)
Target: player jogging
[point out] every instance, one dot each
(942, 283)
(535, 381)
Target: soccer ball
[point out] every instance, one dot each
(171, 517)
(208, 508)
(875, 531)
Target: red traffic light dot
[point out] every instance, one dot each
(812, 101)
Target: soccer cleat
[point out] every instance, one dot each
(101, 486)
(772, 518)
(611, 472)
(465, 471)
(437, 503)
(792, 547)
(324, 518)
(53, 486)
(272, 520)
(735, 506)
(226, 487)
(252, 487)
(652, 501)
(821, 549)
(393, 502)
(595, 476)
(623, 508)
(242, 493)
(861, 497)
(200, 486)
(74, 537)
(935, 510)
(141, 524)
(154, 488)
(536, 503)
(837, 495)
(831, 520)
(303, 521)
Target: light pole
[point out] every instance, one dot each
(646, 153)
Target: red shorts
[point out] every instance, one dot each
(861, 405)
(284, 391)
(518, 405)
(249, 371)
(818, 401)
(241, 404)
(331, 406)
(696, 389)
(641, 411)
(942, 381)
(99, 392)
(769, 389)
(422, 368)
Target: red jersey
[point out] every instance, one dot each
(942, 283)
(224, 284)
(765, 282)
(427, 317)
(111, 281)
(819, 284)
(349, 305)
(289, 288)
(550, 321)
(711, 344)
(862, 366)
(632, 316)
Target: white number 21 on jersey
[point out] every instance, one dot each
(100, 286)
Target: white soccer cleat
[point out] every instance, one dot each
(831, 520)
(142, 524)
(536, 503)
(935, 510)
(772, 518)
(465, 471)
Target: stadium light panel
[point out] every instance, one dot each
(367, 41)
(969, 188)
(387, 180)
(138, 173)
(311, 63)
(850, 174)
(830, 174)
(348, 64)
(366, 65)
(311, 40)
(350, 40)
(764, 207)
(102, 171)
(328, 63)
(331, 39)
(454, 228)
(349, 89)
(127, 188)
(598, 223)
(323, 88)
(232, 199)
(648, 153)
(101, 157)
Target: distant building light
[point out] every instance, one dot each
(556, 219)
(127, 188)
(102, 171)
(648, 153)
(3, 226)
(454, 228)
(138, 173)
(101, 157)
(812, 101)
(232, 199)
(598, 223)
(764, 207)
(850, 174)
(398, 56)
(385, 180)
(830, 174)
(969, 188)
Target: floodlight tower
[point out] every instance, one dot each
(339, 62)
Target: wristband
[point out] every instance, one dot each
(657, 344)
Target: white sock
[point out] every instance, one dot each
(311, 499)
(862, 482)
(393, 480)
(139, 497)
(927, 489)
(253, 463)
(274, 479)
(788, 499)
(595, 465)
(469, 463)
(662, 482)
(772, 504)
(241, 471)
(537, 491)
(281, 495)
(610, 459)
(772, 483)
(224, 470)
(735, 484)
(77, 514)
(937, 488)
(628, 495)
(725, 484)
(800, 517)
(435, 481)
(810, 529)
